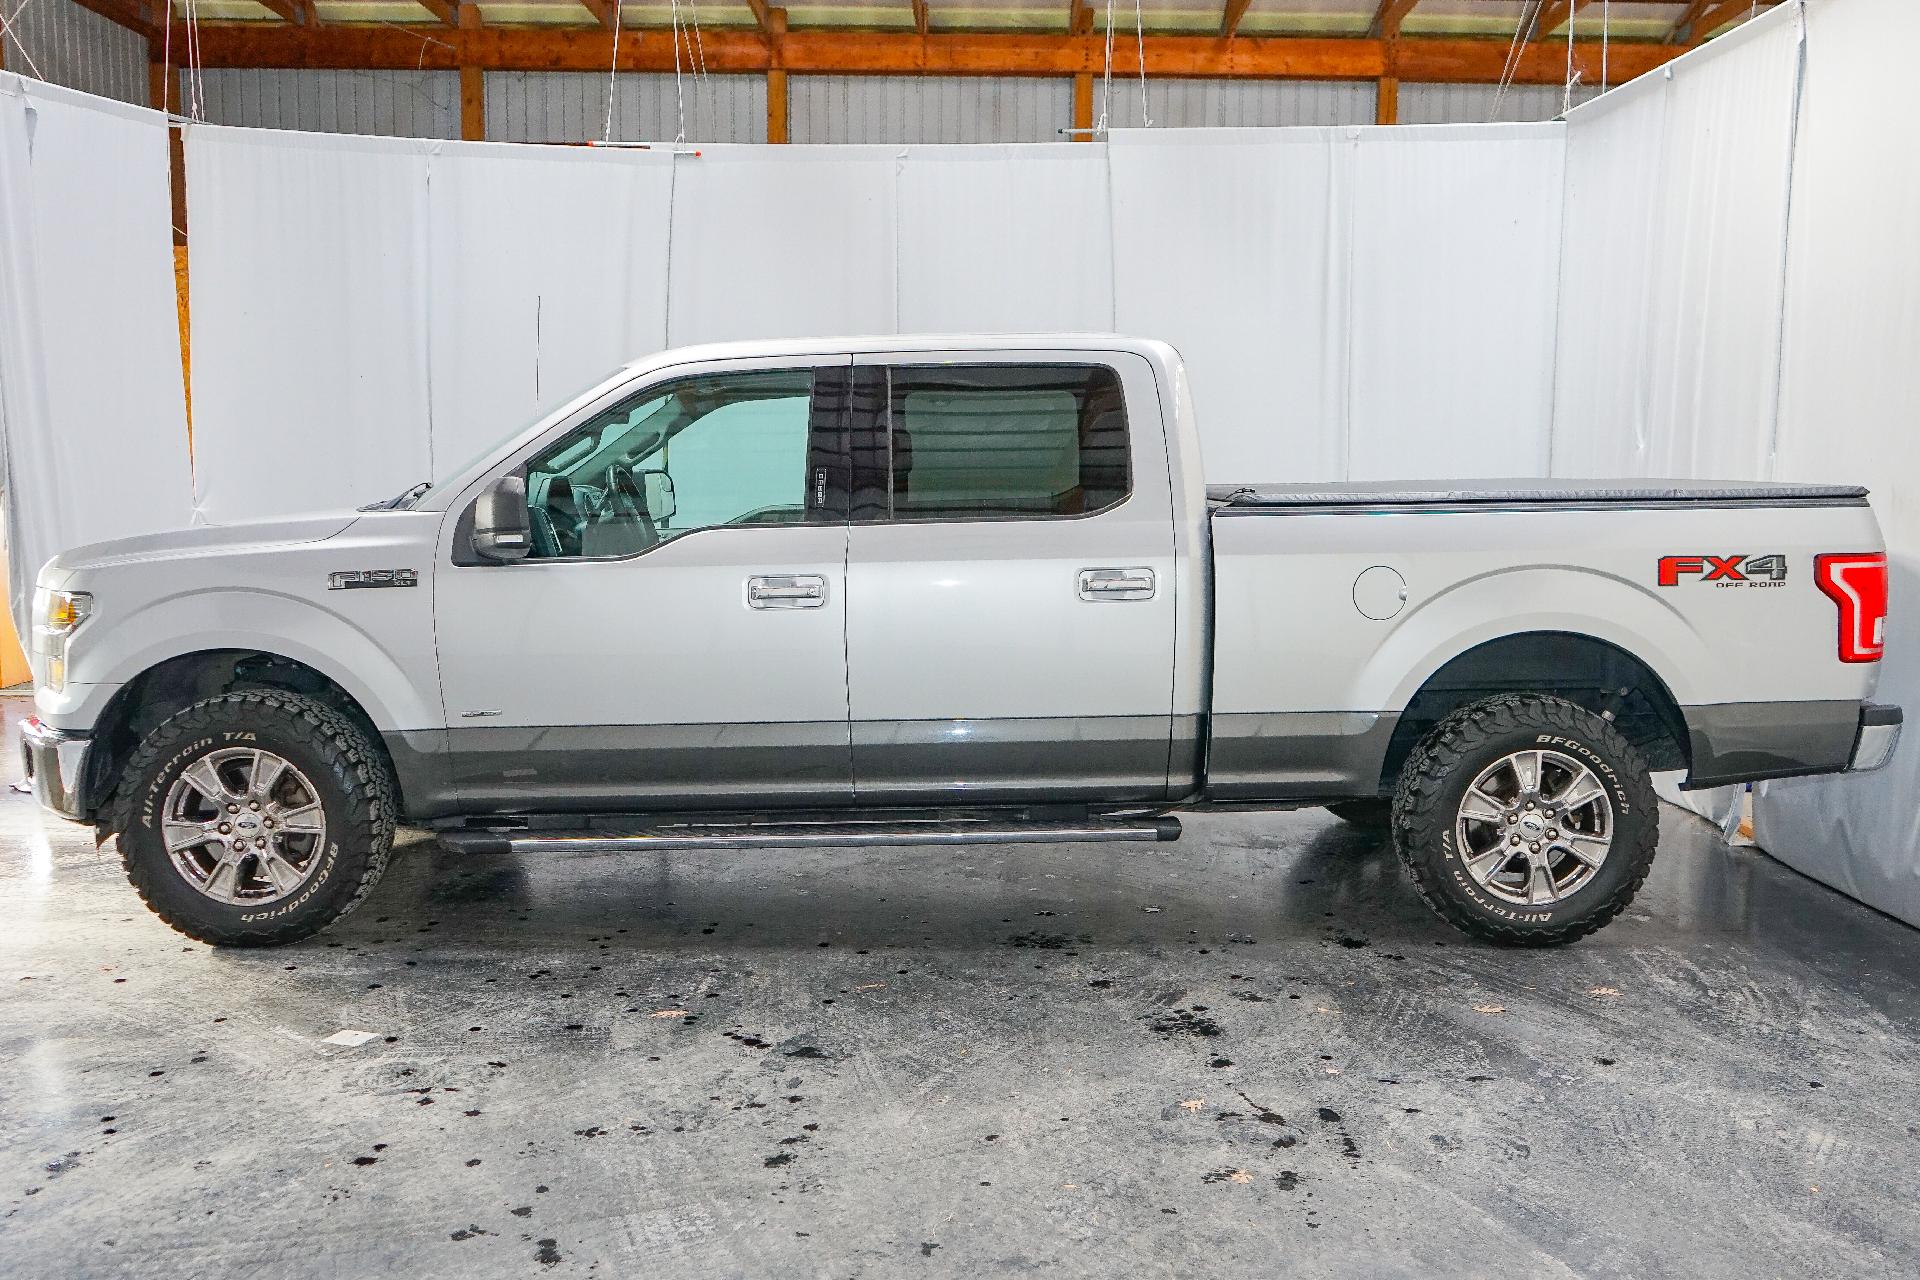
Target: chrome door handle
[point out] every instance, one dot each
(786, 591)
(1105, 585)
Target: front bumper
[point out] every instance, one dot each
(1878, 735)
(56, 765)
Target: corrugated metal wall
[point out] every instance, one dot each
(408, 104)
(571, 106)
(1474, 103)
(61, 42)
(1201, 103)
(928, 108)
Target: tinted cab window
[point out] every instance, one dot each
(724, 449)
(959, 442)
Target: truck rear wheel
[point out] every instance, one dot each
(255, 817)
(1526, 820)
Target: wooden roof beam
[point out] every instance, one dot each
(447, 11)
(1555, 15)
(1388, 17)
(1704, 17)
(298, 12)
(762, 16)
(1080, 20)
(741, 51)
(134, 15)
(920, 16)
(1230, 20)
(605, 12)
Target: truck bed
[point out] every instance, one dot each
(1377, 494)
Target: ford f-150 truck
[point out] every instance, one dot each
(942, 590)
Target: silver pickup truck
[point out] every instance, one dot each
(942, 590)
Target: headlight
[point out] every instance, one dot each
(57, 615)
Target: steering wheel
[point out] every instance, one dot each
(627, 503)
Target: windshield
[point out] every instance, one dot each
(437, 488)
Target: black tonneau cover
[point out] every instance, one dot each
(1530, 492)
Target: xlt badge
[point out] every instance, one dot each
(350, 579)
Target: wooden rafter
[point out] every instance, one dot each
(920, 19)
(1388, 17)
(1230, 20)
(736, 50)
(447, 11)
(1556, 14)
(1703, 19)
(131, 14)
(605, 12)
(1080, 21)
(299, 12)
(762, 15)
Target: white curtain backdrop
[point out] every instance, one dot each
(1455, 262)
(372, 311)
(1675, 240)
(1003, 239)
(1850, 408)
(93, 430)
(792, 241)
(307, 280)
(575, 247)
(1353, 302)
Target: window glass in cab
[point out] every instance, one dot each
(984, 442)
(723, 449)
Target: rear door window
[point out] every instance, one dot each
(994, 442)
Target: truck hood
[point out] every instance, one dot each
(245, 534)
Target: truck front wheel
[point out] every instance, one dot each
(1526, 820)
(255, 817)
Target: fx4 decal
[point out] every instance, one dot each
(1724, 571)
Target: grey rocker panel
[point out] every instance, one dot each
(603, 768)
(1117, 759)
(1747, 741)
(1297, 755)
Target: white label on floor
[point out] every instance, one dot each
(351, 1039)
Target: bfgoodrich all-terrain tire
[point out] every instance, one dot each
(1526, 820)
(255, 817)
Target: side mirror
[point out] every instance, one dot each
(657, 486)
(502, 528)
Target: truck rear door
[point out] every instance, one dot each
(1010, 579)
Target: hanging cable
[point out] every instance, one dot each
(1140, 48)
(1566, 94)
(6, 29)
(613, 80)
(1516, 48)
(699, 47)
(1606, 20)
(1106, 78)
(679, 93)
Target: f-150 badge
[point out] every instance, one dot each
(351, 579)
(1726, 571)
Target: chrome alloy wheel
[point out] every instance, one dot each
(244, 826)
(1534, 827)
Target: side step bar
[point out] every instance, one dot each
(804, 835)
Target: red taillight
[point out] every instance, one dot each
(1857, 582)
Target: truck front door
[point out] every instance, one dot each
(677, 636)
(1010, 579)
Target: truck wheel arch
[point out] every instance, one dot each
(175, 683)
(1586, 670)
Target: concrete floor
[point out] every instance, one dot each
(1249, 1052)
